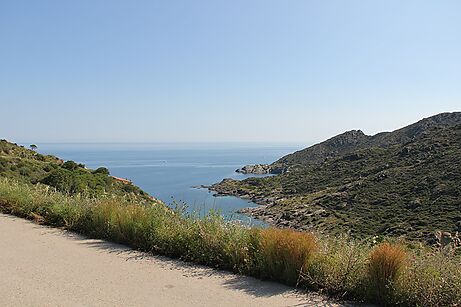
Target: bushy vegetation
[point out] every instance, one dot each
(385, 273)
(69, 177)
(78, 181)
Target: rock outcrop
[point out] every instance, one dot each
(261, 169)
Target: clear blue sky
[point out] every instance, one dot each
(268, 71)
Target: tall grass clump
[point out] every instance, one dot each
(285, 253)
(385, 265)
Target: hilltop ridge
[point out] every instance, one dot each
(352, 140)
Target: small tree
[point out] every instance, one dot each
(33, 147)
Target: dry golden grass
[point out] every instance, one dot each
(285, 253)
(386, 262)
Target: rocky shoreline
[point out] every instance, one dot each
(266, 210)
(263, 213)
(258, 212)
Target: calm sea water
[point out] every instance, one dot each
(171, 171)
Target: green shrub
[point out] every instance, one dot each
(101, 170)
(339, 267)
(24, 171)
(70, 165)
(77, 182)
(431, 279)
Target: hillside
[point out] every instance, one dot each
(351, 141)
(401, 183)
(29, 166)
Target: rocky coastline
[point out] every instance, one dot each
(267, 209)
(259, 212)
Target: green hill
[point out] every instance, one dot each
(29, 166)
(401, 183)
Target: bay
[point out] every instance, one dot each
(172, 171)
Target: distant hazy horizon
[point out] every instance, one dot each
(295, 72)
(202, 144)
(192, 142)
(179, 145)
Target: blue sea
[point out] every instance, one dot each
(171, 172)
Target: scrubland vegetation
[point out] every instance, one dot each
(374, 270)
(28, 166)
(401, 183)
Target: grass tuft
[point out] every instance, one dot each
(286, 253)
(386, 262)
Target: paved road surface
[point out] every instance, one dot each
(41, 266)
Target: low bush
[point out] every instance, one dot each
(430, 279)
(339, 267)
